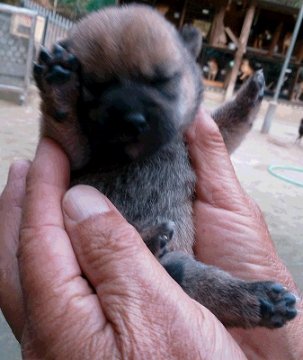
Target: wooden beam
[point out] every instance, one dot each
(275, 39)
(232, 36)
(241, 49)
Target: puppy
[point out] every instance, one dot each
(246, 70)
(298, 91)
(300, 132)
(213, 69)
(117, 95)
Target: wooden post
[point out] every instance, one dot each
(275, 39)
(217, 26)
(183, 13)
(241, 49)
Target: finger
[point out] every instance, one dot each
(57, 299)
(47, 181)
(111, 252)
(10, 218)
(217, 183)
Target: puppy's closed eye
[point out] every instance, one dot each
(96, 87)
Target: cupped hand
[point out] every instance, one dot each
(85, 292)
(82, 284)
(231, 233)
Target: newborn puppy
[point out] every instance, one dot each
(117, 95)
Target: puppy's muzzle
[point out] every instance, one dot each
(136, 122)
(122, 112)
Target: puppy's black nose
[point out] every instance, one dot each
(136, 121)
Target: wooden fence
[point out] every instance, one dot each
(53, 27)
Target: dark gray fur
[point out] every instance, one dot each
(157, 189)
(154, 187)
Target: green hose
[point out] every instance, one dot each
(272, 169)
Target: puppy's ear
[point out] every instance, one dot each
(192, 39)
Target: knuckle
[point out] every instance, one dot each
(27, 237)
(33, 240)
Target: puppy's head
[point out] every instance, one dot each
(140, 85)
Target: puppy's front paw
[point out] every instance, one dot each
(57, 77)
(253, 91)
(277, 305)
(158, 237)
(54, 68)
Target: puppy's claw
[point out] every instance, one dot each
(58, 51)
(44, 56)
(66, 59)
(58, 75)
(38, 69)
(73, 62)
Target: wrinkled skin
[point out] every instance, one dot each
(125, 306)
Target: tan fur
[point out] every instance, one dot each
(246, 70)
(148, 42)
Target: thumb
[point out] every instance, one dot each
(110, 252)
(217, 183)
(136, 294)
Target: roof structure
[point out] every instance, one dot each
(290, 4)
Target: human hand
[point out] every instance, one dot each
(83, 285)
(231, 233)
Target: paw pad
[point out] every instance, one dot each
(277, 305)
(55, 67)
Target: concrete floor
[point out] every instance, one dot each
(281, 202)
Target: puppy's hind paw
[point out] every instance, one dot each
(277, 305)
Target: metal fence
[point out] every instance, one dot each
(17, 29)
(51, 27)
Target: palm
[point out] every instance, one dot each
(236, 241)
(231, 232)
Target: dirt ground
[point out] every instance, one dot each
(281, 202)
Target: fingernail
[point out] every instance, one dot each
(82, 201)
